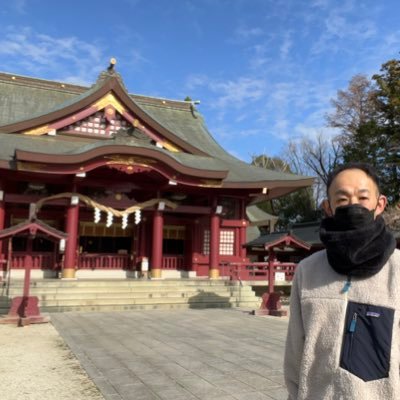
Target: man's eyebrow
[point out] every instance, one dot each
(346, 193)
(366, 191)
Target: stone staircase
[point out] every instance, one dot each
(119, 295)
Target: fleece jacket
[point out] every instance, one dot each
(343, 345)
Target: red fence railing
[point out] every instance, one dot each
(172, 262)
(258, 271)
(40, 260)
(103, 261)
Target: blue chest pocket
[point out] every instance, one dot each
(367, 341)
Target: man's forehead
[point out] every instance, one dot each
(351, 180)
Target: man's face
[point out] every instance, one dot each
(354, 186)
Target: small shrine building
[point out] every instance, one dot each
(133, 181)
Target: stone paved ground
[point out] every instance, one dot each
(179, 355)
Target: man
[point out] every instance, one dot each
(343, 339)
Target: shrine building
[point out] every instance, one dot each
(133, 183)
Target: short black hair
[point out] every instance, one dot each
(367, 168)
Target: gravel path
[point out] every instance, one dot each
(36, 364)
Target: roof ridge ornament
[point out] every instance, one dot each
(110, 72)
(113, 61)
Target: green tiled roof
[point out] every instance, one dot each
(307, 232)
(23, 98)
(20, 101)
(259, 217)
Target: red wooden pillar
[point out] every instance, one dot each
(242, 240)
(271, 271)
(28, 266)
(2, 224)
(156, 252)
(196, 246)
(70, 258)
(134, 247)
(242, 230)
(142, 238)
(214, 246)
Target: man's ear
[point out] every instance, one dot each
(380, 207)
(326, 207)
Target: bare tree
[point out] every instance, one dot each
(354, 107)
(392, 217)
(294, 207)
(316, 158)
(274, 163)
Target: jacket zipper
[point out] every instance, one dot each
(352, 330)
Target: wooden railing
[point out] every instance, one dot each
(235, 271)
(258, 271)
(40, 260)
(103, 261)
(172, 262)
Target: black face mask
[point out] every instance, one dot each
(357, 244)
(352, 217)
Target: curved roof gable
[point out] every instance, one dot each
(106, 95)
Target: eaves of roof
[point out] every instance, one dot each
(57, 150)
(32, 225)
(177, 120)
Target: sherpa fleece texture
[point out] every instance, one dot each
(316, 331)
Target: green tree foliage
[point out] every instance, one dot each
(366, 144)
(388, 107)
(295, 207)
(368, 114)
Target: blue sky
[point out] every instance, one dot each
(264, 71)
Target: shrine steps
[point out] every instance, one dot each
(120, 295)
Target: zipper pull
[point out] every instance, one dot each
(353, 323)
(347, 285)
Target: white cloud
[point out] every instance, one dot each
(286, 46)
(135, 57)
(196, 80)
(22, 50)
(303, 130)
(319, 3)
(251, 132)
(339, 26)
(236, 154)
(234, 93)
(259, 57)
(246, 33)
(19, 6)
(342, 28)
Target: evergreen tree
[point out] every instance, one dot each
(388, 107)
(368, 114)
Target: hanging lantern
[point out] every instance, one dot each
(124, 223)
(97, 215)
(62, 245)
(137, 216)
(109, 219)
